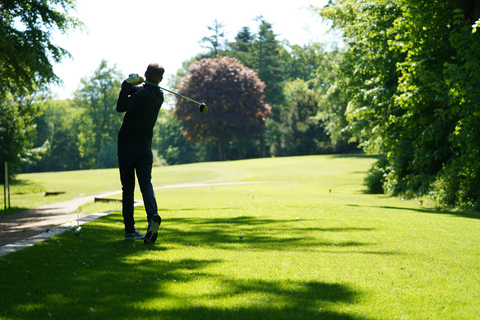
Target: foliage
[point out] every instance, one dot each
(80, 133)
(303, 62)
(55, 133)
(458, 182)
(17, 131)
(243, 46)
(215, 42)
(268, 62)
(332, 100)
(97, 96)
(299, 131)
(410, 75)
(27, 53)
(375, 179)
(169, 141)
(234, 96)
(278, 64)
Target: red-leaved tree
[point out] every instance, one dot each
(234, 95)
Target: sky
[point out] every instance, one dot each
(131, 34)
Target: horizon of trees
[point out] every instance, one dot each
(294, 129)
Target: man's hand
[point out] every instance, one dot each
(135, 79)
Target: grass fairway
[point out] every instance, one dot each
(314, 247)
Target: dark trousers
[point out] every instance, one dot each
(136, 158)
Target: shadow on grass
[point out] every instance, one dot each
(97, 275)
(258, 234)
(11, 210)
(461, 214)
(356, 155)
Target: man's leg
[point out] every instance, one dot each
(127, 177)
(144, 175)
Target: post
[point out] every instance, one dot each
(6, 188)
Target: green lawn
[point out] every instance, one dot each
(315, 246)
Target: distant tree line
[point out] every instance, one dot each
(296, 79)
(80, 133)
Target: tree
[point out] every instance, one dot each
(169, 142)
(215, 42)
(268, 63)
(307, 135)
(27, 55)
(300, 131)
(333, 101)
(234, 95)
(410, 75)
(303, 61)
(242, 48)
(97, 96)
(17, 130)
(55, 134)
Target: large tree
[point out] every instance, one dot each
(410, 74)
(234, 95)
(242, 48)
(27, 55)
(268, 62)
(97, 96)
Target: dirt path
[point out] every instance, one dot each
(31, 222)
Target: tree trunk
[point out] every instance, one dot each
(221, 150)
(262, 145)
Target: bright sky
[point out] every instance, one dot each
(131, 34)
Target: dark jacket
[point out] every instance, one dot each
(142, 104)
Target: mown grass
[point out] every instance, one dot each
(28, 190)
(314, 247)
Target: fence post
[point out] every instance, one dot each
(6, 188)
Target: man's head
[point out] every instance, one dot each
(154, 73)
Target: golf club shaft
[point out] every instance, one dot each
(178, 94)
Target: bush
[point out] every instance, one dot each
(375, 179)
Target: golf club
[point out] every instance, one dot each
(203, 107)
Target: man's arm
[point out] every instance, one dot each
(127, 99)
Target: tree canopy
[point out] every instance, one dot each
(27, 52)
(234, 95)
(410, 76)
(27, 55)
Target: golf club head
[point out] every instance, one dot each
(203, 108)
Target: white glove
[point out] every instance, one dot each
(133, 78)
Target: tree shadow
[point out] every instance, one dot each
(10, 211)
(96, 275)
(356, 155)
(461, 214)
(258, 234)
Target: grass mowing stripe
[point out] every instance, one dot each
(307, 253)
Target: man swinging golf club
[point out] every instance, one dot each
(142, 105)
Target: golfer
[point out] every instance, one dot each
(142, 105)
